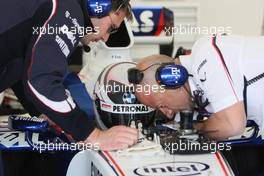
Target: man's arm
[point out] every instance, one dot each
(46, 66)
(117, 137)
(226, 123)
(218, 76)
(43, 81)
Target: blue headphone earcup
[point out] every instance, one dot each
(99, 8)
(172, 75)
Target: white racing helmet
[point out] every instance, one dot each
(115, 100)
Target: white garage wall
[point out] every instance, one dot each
(243, 17)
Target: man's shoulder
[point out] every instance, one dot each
(70, 5)
(201, 42)
(213, 41)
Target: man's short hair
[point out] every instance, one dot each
(124, 5)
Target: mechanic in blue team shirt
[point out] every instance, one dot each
(37, 37)
(226, 70)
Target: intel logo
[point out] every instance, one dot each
(180, 168)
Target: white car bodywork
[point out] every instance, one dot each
(137, 164)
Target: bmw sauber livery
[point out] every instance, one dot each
(151, 21)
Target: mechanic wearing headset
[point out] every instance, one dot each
(226, 70)
(37, 37)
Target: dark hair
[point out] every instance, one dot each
(124, 5)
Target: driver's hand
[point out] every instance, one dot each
(115, 138)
